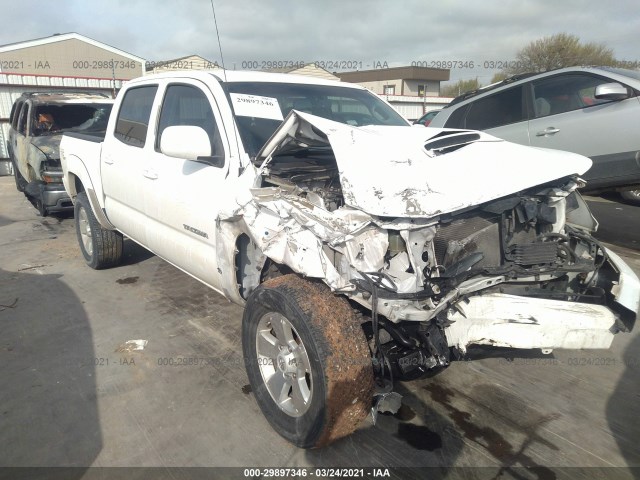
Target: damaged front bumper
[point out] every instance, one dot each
(48, 197)
(338, 247)
(522, 322)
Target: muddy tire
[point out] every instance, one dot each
(307, 359)
(101, 248)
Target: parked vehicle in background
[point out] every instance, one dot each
(594, 111)
(364, 251)
(37, 123)
(427, 117)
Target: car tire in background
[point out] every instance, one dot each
(21, 183)
(100, 247)
(307, 359)
(632, 196)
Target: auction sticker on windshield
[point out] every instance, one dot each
(255, 106)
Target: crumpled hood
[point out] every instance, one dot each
(48, 144)
(387, 171)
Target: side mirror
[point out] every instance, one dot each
(191, 143)
(611, 91)
(185, 141)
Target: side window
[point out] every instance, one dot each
(22, 120)
(15, 113)
(564, 93)
(496, 110)
(188, 105)
(456, 120)
(133, 117)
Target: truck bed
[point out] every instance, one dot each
(96, 137)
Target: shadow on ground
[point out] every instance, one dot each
(48, 409)
(623, 416)
(413, 436)
(134, 253)
(619, 221)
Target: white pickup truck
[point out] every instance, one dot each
(364, 250)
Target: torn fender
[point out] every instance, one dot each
(291, 231)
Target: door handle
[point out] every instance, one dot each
(150, 174)
(108, 160)
(547, 131)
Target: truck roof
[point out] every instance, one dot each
(246, 76)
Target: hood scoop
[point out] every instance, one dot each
(450, 141)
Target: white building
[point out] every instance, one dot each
(413, 91)
(65, 62)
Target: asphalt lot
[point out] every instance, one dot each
(73, 393)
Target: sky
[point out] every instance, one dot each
(356, 34)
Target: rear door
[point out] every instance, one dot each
(13, 126)
(503, 114)
(567, 116)
(124, 159)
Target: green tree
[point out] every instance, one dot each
(461, 86)
(498, 77)
(558, 51)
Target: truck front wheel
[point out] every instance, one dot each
(307, 359)
(101, 248)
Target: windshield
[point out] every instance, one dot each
(260, 107)
(54, 118)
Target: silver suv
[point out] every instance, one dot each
(594, 111)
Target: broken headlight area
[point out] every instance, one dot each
(517, 238)
(51, 171)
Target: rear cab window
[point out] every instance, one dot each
(133, 117)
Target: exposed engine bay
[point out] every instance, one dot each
(518, 270)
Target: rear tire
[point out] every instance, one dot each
(307, 359)
(632, 196)
(100, 247)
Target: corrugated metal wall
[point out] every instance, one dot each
(413, 108)
(12, 85)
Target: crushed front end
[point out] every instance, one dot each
(46, 190)
(436, 266)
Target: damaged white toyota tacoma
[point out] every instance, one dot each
(365, 251)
